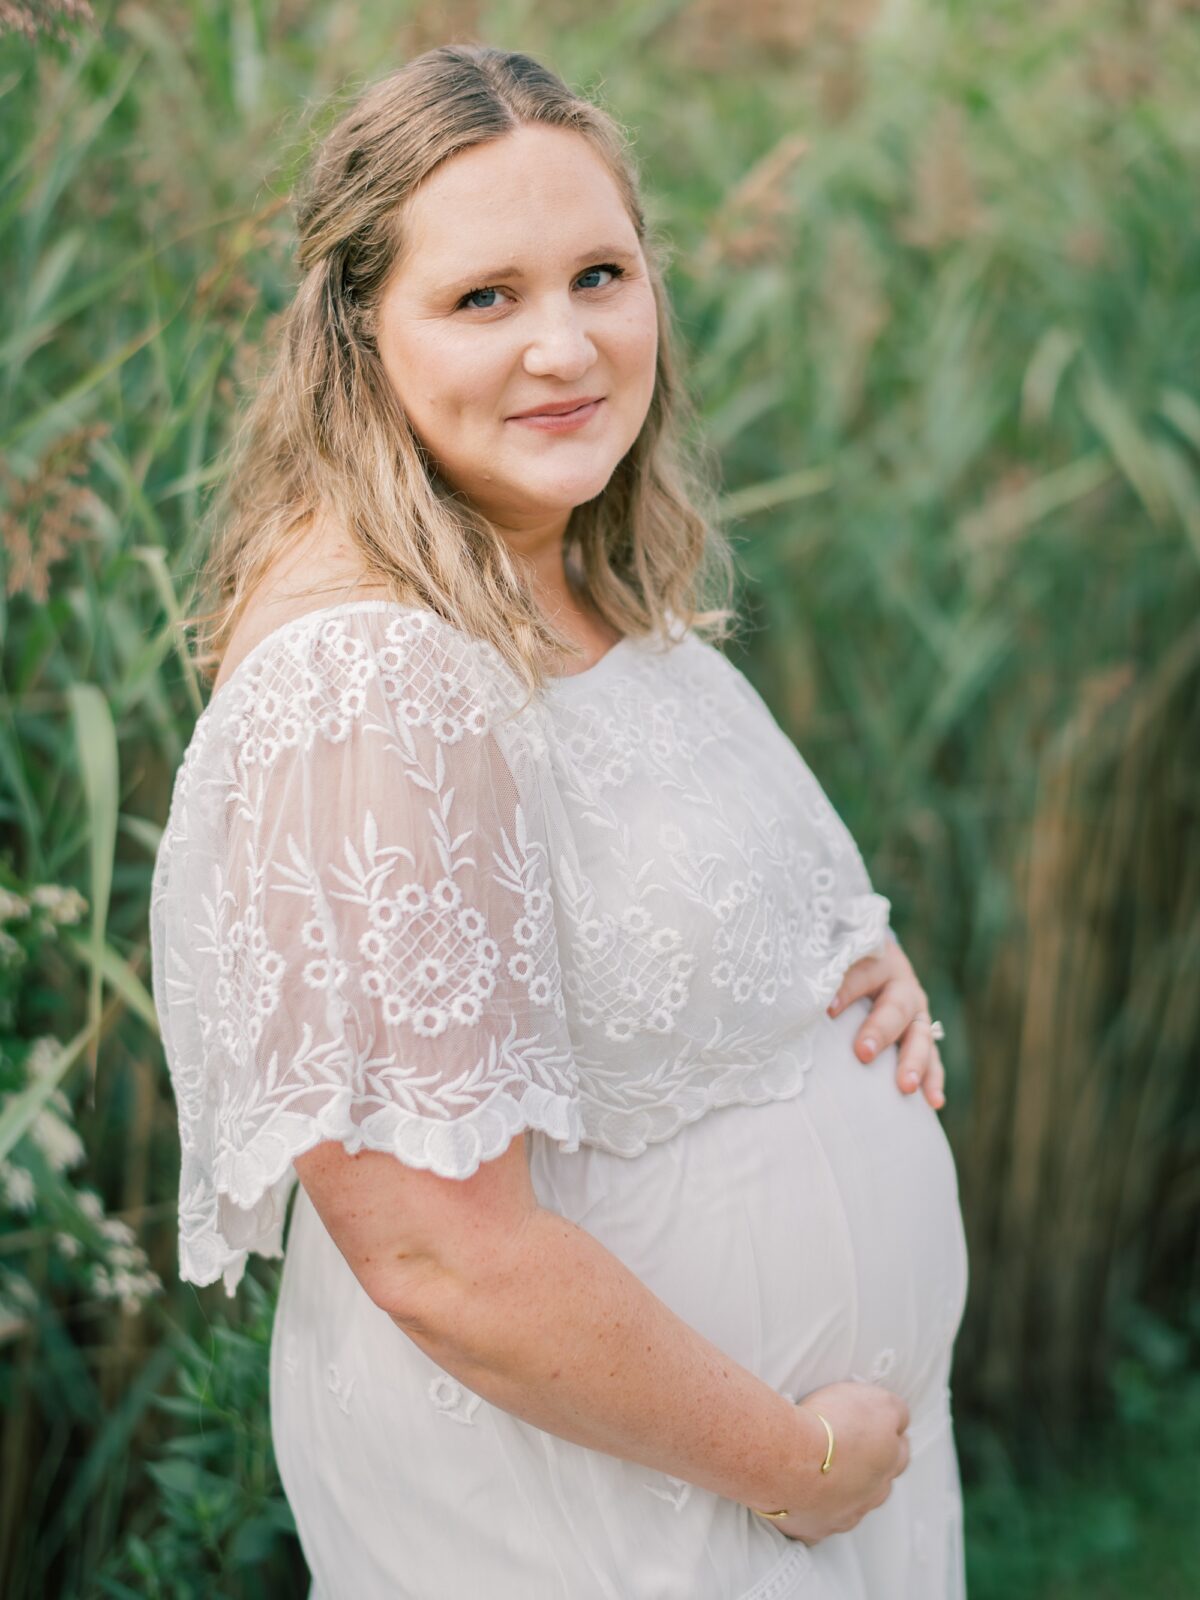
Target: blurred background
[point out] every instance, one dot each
(937, 269)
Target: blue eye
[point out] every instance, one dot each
(471, 295)
(617, 272)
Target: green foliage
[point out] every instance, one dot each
(1122, 1521)
(64, 1263)
(39, 1146)
(215, 1522)
(938, 270)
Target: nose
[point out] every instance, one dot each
(560, 344)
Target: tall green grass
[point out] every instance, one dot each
(938, 268)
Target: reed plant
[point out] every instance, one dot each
(938, 266)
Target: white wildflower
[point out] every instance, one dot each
(136, 1289)
(89, 1204)
(132, 1289)
(62, 904)
(12, 906)
(17, 1183)
(67, 1244)
(57, 1140)
(21, 1290)
(43, 1053)
(114, 1228)
(8, 945)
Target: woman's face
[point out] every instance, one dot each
(523, 284)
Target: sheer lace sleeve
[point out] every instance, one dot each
(352, 924)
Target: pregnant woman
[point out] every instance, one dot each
(494, 906)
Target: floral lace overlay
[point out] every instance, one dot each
(396, 907)
(710, 896)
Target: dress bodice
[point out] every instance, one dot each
(400, 904)
(710, 896)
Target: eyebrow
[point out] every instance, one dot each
(513, 270)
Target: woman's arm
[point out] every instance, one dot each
(535, 1315)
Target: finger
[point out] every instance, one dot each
(887, 1020)
(935, 1080)
(916, 1055)
(904, 1455)
(861, 979)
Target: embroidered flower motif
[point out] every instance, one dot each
(395, 1009)
(445, 894)
(675, 1491)
(620, 1028)
(483, 982)
(290, 1356)
(520, 967)
(428, 1022)
(452, 1399)
(537, 904)
(340, 1389)
(384, 915)
(467, 1008)
(882, 1365)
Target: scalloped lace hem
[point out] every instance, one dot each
(257, 1180)
(630, 1134)
(623, 1133)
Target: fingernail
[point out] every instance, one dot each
(910, 1081)
(939, 1100)
(834, 1007)
(868, 1047)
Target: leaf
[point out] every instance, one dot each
(96, 742)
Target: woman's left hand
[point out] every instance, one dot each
(900, 1014)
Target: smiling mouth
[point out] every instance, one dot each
(551, 422)
(572, 411)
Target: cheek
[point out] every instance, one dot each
(442, 378)
(636, 340)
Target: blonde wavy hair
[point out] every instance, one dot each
(323, 432)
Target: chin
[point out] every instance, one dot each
(562, 495)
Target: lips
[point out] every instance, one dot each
(557, 408)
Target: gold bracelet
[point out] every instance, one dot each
(825, 1466)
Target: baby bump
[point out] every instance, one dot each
(813, 1239)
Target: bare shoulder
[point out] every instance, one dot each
(319, 568)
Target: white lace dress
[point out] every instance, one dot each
(396, 907)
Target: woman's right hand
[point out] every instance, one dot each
(871, 1449)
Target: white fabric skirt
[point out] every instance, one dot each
(813, 1239)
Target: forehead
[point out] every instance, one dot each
(538, 192)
